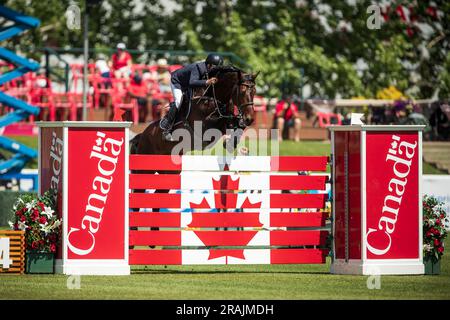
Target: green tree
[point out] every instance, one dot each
(328, 39)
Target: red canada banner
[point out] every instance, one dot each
(96, 195)
(392, 195)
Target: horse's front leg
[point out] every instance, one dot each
(232, 136)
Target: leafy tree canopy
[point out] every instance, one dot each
(328, 39)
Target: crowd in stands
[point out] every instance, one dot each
(141, 90)
(323, 113)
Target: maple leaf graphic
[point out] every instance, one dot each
(225, 200)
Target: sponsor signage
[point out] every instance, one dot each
(95, 193)
(87, 163)
(392, 187)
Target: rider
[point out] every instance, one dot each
(192, 75)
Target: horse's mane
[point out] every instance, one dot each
(223, 70)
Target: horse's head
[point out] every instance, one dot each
(243, 95)
(236, 88)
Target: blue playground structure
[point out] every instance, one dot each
(10, 168)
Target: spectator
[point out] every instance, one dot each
(286, 116)
(163, 76)
(138, 91)
(150, 80)
(440, 121)
(104, 68)
(121, 62)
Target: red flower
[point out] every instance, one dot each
(442, 216)
(440, 249)
(43, 220)
(18, 213)
(34, 245)
(436, 232)
(437, 242)
(34, 215)
(428, 234)
(438, 221)
(16, 226)
(52, 248)
(23, 218)
(41, 205)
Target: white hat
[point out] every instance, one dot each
(161, 62)
(121, 45)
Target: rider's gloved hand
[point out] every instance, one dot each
(211, 81)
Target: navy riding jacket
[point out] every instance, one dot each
(193, 75)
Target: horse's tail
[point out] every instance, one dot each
(134, 143)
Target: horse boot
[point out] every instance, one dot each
(166, 123)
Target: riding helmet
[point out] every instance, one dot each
(214, 59)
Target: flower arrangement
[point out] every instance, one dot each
(390, 93)
(434, 232)
(36, 216)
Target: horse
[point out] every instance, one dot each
(214, 108)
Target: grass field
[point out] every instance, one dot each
(273, 282)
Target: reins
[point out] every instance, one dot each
(217, 108)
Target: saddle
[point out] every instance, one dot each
(191, 97)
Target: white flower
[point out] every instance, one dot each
(22, 226)
(31, 204)
(55, 225)
(45, 228)
(48, 212)
(11, 224)
(427, 247)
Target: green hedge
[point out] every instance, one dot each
(7, 199)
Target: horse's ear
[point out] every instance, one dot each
(254, 75)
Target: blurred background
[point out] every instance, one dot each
(319, 61)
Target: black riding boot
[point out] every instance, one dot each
(166, 123)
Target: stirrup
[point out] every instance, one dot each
(167, 135)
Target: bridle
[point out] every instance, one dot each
(246, 81)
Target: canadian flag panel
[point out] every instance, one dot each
(217, 182)
(226, 256)
(214, 163)
(192, 180)
(251, 201)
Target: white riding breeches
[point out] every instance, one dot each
(177, 95)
